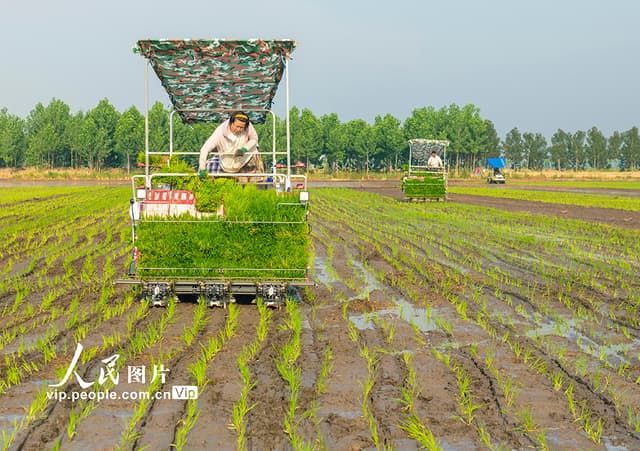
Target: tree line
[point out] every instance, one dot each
(578, 150)
(52, 136)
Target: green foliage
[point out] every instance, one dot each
(244, 202)
(306, 136)
(535, 150)
(102, 137)
(513, 147)
(174, 166)
(12, 139)
(209, 193)
(129, 135)
(278, 249)
(264, 235)
(389, 139)
(425, 185)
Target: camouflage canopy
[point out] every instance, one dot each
(421, 149)
(218, 74)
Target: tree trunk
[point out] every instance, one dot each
(366, 164)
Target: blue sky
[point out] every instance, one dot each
(536, 65)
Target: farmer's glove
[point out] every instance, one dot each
(202, 174)
(240, 151)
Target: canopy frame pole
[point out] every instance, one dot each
(171, 134)
(286, 103)
(273, 142)
(146, 123)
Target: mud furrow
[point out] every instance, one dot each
(340, 412)
(157, 427)
(213, 429)
(270, 397)
(54, 425)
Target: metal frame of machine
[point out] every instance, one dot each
(248, 83)
(422, 182)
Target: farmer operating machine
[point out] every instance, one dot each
(218, 237)
(495, 174)
(423, 181)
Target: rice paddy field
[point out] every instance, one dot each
(504, 318)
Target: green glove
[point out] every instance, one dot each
(202, 174)
(243, 149)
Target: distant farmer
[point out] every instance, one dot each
(236, 143)
(434, 161)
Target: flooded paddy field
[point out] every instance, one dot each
(468, 324)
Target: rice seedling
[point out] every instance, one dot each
(593, 430)
(111, 341)
(412, 423)
(466, 405)
(445, 326)
(367, 386)
(186, 424)
(510, 388)
(289, 370)
(199, 321)
(241, 408)
(389, 331)
(76, 414)
(7, 439)
(325, 370)
(130, 434)
(558, 380)
(489, 358)
(444, 358)
(526, 420)
(419, 432)
(633, 419)
(352, 331)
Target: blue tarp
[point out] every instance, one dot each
(496, 162)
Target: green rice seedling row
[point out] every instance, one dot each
(430, 326)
